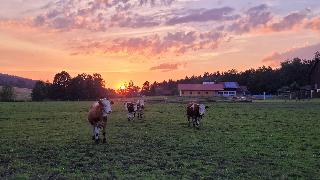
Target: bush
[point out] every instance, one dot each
(7, 94)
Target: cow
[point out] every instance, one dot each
(195, 113)
(140, 108)
(131, 108)
(97, 118)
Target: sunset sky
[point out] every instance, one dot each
(153, 40)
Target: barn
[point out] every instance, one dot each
(229, 89)
(204, 90)
(207, 89)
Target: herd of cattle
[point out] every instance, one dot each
(98, 115)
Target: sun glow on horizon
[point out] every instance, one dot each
(122, 87)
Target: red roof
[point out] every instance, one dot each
(201, 87)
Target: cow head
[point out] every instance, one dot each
(130, 106)
(125, 105)
(202, 109)
(140, 104)
(106, 105)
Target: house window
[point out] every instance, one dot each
(182, 92)
(190, 92)
(207, 92)
(198, 92)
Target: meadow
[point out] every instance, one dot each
(259, 140)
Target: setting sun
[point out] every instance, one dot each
(122, 87)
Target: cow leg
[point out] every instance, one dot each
(93, 132)
(189, 121)
(194, 119)
(104, 130)
(197, 121)
(96, 133)
(129, 116)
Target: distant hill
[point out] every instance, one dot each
(16, 81)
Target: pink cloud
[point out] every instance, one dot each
(305, 52)
(97, 15)
(203, 15)
(255, 17)
(288, 22)
(313, 24)
(165, 67)
(125, 19)
(176, 43)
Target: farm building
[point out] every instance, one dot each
(200, 89)
(230, 89)
(211, 89)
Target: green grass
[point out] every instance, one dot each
(237, 141)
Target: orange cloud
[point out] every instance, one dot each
(314, 24)
(166, 67)
(171, 44)
(305, 52)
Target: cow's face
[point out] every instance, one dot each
(135, 107)
(202, 109)
(106, 104)
(131, 107)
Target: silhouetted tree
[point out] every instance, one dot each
(7, 93)
(40, 91)
(58, 90)
(145, 90)
(132, 90)
(99, 86)
(111, 93)
(77, 88)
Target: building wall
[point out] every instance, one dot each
(227, 93)
(199, 93)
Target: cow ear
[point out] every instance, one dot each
(111, 102)
(207, 107)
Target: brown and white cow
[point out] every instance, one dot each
(134, 108)
(131, 108)
(140, 108)
(97, 118)
(195, 113)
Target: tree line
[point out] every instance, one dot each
(7, 93)
(64, 87)
(293, 73)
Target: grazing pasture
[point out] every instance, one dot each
(236, 141)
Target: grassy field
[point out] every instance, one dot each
(260, 140)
